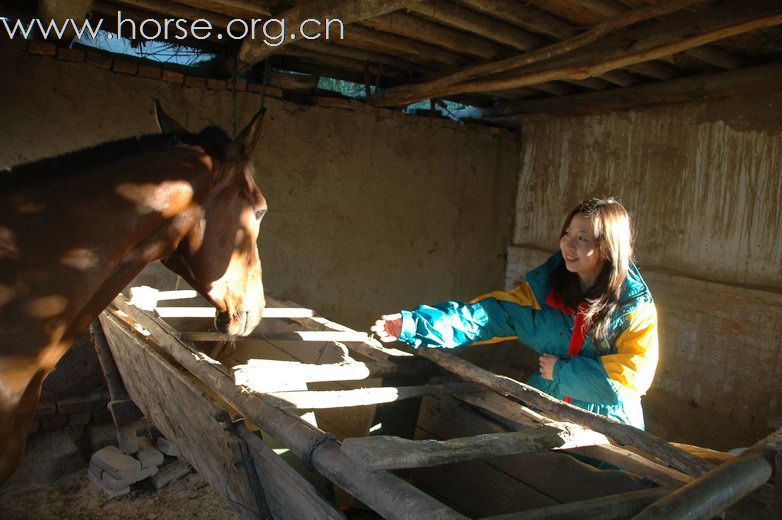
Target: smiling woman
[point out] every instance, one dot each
(587, 311)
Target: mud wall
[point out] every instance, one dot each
(370, 210)
(703, 182)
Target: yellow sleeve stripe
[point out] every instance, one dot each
(492, 340)
(634, 364)
(521, 295)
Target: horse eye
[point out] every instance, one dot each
(259, 214)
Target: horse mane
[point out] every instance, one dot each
(211, 138)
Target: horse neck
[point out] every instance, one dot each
(88, 245)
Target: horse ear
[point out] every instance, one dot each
(165, 122)
(242, 146)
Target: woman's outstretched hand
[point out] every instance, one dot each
(388, 327)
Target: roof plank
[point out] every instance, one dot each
(253, 51)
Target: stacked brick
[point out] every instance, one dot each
(71, 412)
(114, 472)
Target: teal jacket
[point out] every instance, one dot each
(608, 378)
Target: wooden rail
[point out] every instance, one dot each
(360, 465)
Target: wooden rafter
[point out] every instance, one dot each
(476, 23)
(503, 33)
(612, 53)
(760, 78)
(558, 410)
(172, 9)
(450, 40)
(411, 93)
(253, 51)
(233, 8)
(436, 34)
(414, 50)
(385, 452)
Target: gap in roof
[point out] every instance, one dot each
(357, 91)
(164, 52)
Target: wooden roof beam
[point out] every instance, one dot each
(234, 8)
(524, 16)
(169, 9)
(671, 37)
(253, 51)
(761, 78)
(473, 22)
(718, 58)
(503, 33)
(435, 34)
(647, 43)
(407, 48)
(411, 93)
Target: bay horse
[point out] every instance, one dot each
(76, 229)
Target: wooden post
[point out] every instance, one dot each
(620, 432)
(613, 507)
(124, 412)
(386, 493)
(720, 488)
(387, 452)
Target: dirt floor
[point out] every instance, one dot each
(52, 484)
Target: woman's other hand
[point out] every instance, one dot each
(547, 362)
(388, 327)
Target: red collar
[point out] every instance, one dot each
(554, 300)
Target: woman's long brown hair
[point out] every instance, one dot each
(613, 232)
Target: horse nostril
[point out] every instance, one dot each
(221, 321)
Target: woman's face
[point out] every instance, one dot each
(579, 248)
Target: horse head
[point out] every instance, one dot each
(219, 255)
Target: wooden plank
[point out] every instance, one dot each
(370, 347)
(314, 400)
(760, 78)
(671, 37)
(209, 312)
(304, 335)
(517, 416)
(310, 373)
(432, 33)
(290, 496)
(612, 507)
(387, 494)
(559, 410)
(253, 51)
(387, 452)
(476, 488)
(720, 488)
(182, 412)
(234, 8)
(410, 93)
(554, 474)
(631, 461)
(473, 22)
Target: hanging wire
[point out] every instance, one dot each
(233, 100)
(266, 69)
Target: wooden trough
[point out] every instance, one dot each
(282, 425)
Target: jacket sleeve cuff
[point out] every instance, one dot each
(408, 329)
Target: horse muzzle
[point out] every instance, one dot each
(237, 323)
